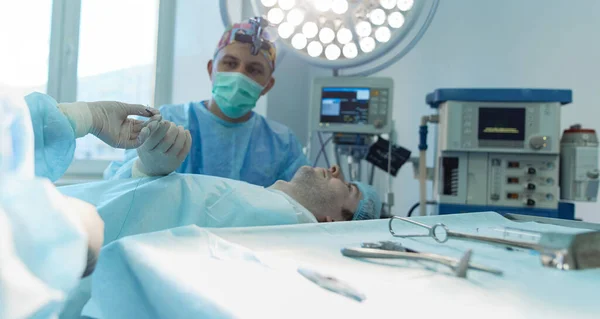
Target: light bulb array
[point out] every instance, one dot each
(320, 27)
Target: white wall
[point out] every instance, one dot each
(510, 43)
(288, 100)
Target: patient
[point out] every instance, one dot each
(328, 197)
(136, 206)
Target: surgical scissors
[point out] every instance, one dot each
(440, 233)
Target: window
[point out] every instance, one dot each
(117, 59)
(25, 45)
(117, 48)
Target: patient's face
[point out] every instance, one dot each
(325, 193)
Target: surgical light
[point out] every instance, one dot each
(350, 51)
(310, 30)
(323, 5)
(377, 17)
(295, 16)
(268, 3)
(405, 5)
(344, 35)
(367, 44)
(363, 29)
(326, 35)
(339, 6)
(386, 4)
(275, 15)
(383, 34)
(285, 30)
(357, 36)
(287, 4)
(396, 20)
(299, 41)
(315, 49)
(332, 52)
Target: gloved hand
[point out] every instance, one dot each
(111, 124)
(165, 146)
(109, 121)
(93, 226)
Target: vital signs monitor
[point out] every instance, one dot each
(352, 105)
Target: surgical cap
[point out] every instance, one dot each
(369, 206)
(247, 29)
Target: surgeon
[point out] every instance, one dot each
(229, 139)
(49, 241)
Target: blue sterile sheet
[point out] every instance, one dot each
(252, 273)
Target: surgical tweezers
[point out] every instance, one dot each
(440, 233)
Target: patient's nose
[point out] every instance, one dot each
(336, 172)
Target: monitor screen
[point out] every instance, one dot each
(345, 105)
(505, 124)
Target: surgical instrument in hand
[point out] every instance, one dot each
(557, 250)
(459, 266)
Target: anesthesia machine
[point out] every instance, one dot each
(501, 150)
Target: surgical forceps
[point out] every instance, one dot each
(391, 250)
(557, 250)
(440, 233)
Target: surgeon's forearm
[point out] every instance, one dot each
(79, 116)
(136, 172)
(95, 231)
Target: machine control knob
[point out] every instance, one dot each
(530, 202)
(538, 142)
(531, 186)
(378, 124)
(495, 197)
(531, 171)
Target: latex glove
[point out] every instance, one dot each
(165, 146)
(109, 121)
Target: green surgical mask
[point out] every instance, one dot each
(235, 93)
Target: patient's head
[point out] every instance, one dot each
(325, 194)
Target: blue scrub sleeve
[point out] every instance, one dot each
(54, 136)
(295, 160)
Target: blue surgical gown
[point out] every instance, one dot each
(43, 247)
(258, 151)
